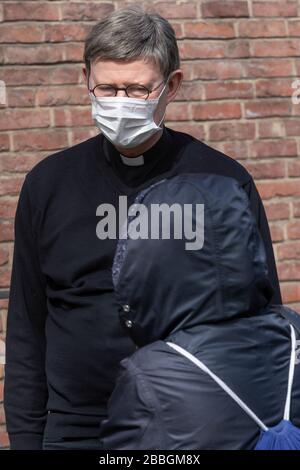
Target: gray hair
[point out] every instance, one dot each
(133, 33)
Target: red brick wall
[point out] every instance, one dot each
(240, 59)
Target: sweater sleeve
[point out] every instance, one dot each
(25, 391)
(262, 222)
(131, 422)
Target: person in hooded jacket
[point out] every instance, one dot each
(213, 304)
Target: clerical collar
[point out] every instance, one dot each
(115, 158)
(132, 161)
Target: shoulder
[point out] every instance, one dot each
(54, 165)
(200, 157)
(51, 175)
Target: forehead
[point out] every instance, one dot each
(121, 71)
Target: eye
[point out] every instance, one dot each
(104, 90)
(137, 91)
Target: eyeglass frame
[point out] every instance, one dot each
(92, 90)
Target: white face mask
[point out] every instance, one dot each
(126, 122)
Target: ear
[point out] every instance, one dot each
(85, 75)
(174, 84)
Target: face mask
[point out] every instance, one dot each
(126, 122)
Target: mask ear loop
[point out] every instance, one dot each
(162, 119)
(161, 93)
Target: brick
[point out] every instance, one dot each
(24, 119)
(8, 208)
(187, 68)
(6, 231)
(238, 48)
(42, 11)
(273, 149)
(236, 149)
(217, 90)
(203, 29)
(289, 271)
(190, 91)
(65, 32)
(85, 10)
(231, 131)
(182, 11)
(42, 75)
(57, 96)
(73, 52)
(214, 50)
(225, 8)
(257, 109)
(271, 129)
(4, 441)
(277, 233)
(292, 127)
(273, 87)
(19, 163)
(37, 140)
(277, 210)
(260, 68)
(265, 170)
(275, 188)
(198, 50)
(296, 209)
(4, 256)
(20, 97)
(297, 62)
(195, 130)
(78, 135)
(293, 230)
(21, 33)
(276, 48)
(40, 54)
(296, 107)
(177, 112)
(261, 28)
(207, 111)
(290, 292)
(217, 70)
(178, 29)
(294, 27)
(5, 278)
(72, 117)
(294, 168)
(288, 250)
(2, 414)
(10, 186)
(282, 8)
(4, 303)
(4, 142)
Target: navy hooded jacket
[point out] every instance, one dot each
(215, 303)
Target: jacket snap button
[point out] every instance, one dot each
(126, 308)
(128, 323)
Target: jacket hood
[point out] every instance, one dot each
(161, 286)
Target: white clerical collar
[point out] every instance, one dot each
(132, 161)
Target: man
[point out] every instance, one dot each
(64, 341)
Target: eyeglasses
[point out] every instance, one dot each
(132, 91)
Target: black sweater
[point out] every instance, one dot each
(64, 340)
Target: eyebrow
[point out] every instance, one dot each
(125, 84)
